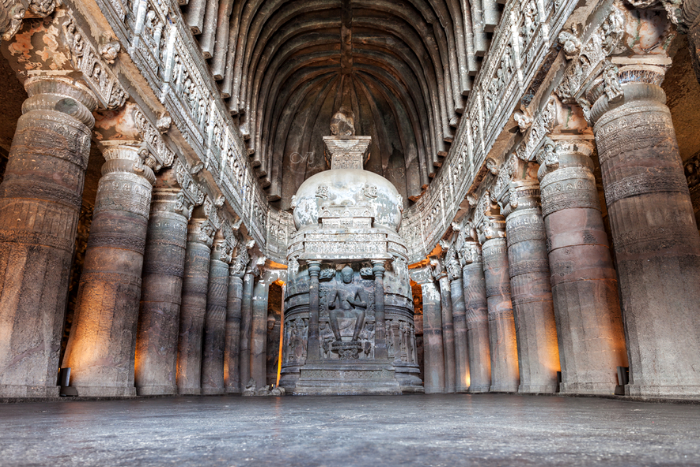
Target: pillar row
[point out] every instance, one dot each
(504, 351)
(584, 282)
(40, 199)
(194, 305)
(654, 231)
(102, 342)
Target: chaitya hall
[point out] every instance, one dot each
(446, 203)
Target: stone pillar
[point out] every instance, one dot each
(504, 350)
(194, 304)
(477, 318)
(102, 342)
(246, 319)
(232, 375)
(531, 290)
(433, 353)
(654, 231)
(258, 344)
(40, 200)
(215, 319)
(448, 334)
(163, 265)
(313, 345)
(459, 320)
(584, 282)
(380, 348)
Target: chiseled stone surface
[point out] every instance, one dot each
(473, 430)
(194, 305)
(655, 238)
(163, 270)
(477, 319)
(215, 319)
(531, 290)
(258, 333)
(100, 350)
(459, 318)
(584, 282)
(503, 343)
(232, 375)
(246, 322)
(448, 333)
(38, 220)
(433, 352)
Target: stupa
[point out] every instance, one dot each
(348, 326)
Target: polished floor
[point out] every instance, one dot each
(455, 430)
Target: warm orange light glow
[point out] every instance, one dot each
(279, 358)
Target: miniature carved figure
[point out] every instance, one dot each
(347, 299)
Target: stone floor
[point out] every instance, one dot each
(456, 430)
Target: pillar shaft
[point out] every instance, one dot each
(477, 318)
(459, 318)
(159, 316)
(380, 347)
(40, 200)
(584, 282)
(194, 307)
(102, 342)
(448, 334)
(258, 345)
(433, 352)
(215, 320)
(313, 345)
(246, 319)
(655, 237)
(504, 352)
(232, 373)
(531, 291)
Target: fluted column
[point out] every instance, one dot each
(258, 344)
(433, 353)
(504, 350)
(584, 282)
(194, 304)
(448, 335)
(215, 319)
(246, 319)
(654, 231)
(163, 269)
(477, 318)
(232, 374)
(531, 290)
(459, 320)
(40, 200)
(102, 342)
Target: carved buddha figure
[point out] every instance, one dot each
(347, 300)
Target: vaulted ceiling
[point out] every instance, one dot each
(286, 66)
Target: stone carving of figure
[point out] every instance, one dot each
(347, 299)
(367, 338)
(327, 339)
(343, 122)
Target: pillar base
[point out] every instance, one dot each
(233, 391)
(537, 389)
(434, 390)
(503, 388)
(213, 391)
(12, 391)
(462, 390)
(156, 390)
(479, 389)
(105, 391)
(596, 389)
(665, 392)
(189, 391)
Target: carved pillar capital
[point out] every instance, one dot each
(470, 253)
(49, 92)
(239, 265)
(378, 267)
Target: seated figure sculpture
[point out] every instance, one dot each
(347, 300)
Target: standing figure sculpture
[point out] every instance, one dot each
(347, 300)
